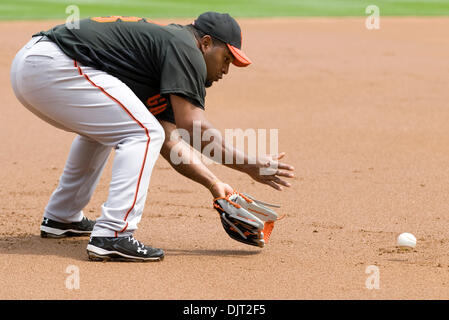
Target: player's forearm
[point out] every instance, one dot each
(218, 149)
(201, 134)
(184, 160)
(240, 160)
(196, 172)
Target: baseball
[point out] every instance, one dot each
(406, 240)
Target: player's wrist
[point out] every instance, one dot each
(213, 184)
(220, 189)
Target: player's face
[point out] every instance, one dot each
(218, 58)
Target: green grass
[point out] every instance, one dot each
(56, 9)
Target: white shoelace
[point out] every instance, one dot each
(135, 241)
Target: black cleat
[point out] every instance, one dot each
(55, 229)
(121, 249)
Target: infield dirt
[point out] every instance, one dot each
(362, 115)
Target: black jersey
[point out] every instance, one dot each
(150, 58)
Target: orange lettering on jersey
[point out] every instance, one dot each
(130, 19)
(123, 18)
(105, 19)
(157, 110)
(156, 104)
(156, 100)
(116, 18)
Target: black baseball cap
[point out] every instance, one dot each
(224, 28)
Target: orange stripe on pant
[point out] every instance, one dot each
(139, 123)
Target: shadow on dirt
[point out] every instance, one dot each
(208, 252)
(29, 244)
(75, 248)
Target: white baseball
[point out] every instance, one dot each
(406, 240)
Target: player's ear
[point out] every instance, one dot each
(206, 42)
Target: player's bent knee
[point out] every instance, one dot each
(157, 134)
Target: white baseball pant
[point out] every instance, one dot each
(105, 114)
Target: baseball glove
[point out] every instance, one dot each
(246, 219)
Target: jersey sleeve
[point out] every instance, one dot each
(184, 73)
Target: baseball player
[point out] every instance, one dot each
(127, 83)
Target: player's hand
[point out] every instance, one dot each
(270, 171)
(221, 189)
